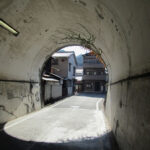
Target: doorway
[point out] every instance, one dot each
(97, 86)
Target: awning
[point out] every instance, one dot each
(50, 79)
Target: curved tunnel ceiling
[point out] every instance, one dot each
(121, 29)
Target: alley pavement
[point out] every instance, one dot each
(74, 123)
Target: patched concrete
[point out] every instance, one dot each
(18, 99)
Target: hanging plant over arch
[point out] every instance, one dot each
(84, 38)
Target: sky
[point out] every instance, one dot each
(77, 49)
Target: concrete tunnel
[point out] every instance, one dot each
(121, 30)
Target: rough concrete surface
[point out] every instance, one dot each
(129, 113)
(75, 122)
(18, 99)
(121, 29)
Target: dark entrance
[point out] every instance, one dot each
(97, 86)
(64, 89)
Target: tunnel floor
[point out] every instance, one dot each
(77, 122)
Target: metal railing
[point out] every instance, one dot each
(91, 65)
(94, 77)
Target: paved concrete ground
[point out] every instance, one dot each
(76, 122)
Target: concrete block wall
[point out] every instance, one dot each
(18, 99)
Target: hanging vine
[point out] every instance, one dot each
(85, 39)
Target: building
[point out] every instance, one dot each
(52, 87)
(79, 79)
(94, 76)
(51, 84)
(64, 65)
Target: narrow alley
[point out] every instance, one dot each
(76, 122)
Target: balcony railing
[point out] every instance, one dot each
(91, 65)
(94, 77)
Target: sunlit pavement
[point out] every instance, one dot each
(77, 119)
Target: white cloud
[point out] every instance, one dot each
(77, 49)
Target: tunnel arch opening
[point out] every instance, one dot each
(121, 26)
(48, 75)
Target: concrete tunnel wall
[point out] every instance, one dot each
(121, 29)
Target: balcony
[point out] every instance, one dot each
(94, 77)
(93, 65)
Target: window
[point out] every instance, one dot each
(89, 85)
(54, 61)
(102, 88)
(69, 66)
(87, 73)
(99, 72)
(90, 72)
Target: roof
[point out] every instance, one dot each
(50, 79)
(60, 54)
(52, 74)
(65, 54)
(88, 54)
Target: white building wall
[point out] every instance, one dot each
(70, 91)
(47, 91)
(52, 90)
(71, 74)
(73, 64)
(56, 91)
(63, 70)
(62, 67)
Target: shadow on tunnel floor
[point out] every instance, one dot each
(105, 142)
(2, 126)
